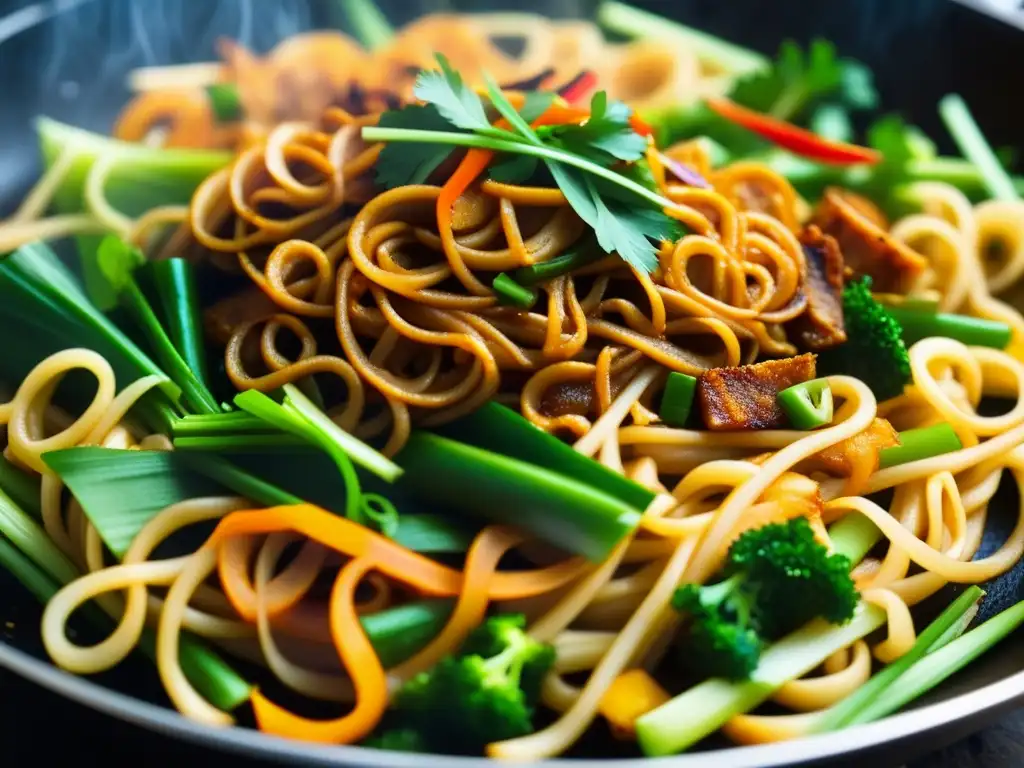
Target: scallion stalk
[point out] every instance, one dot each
(972, 143)
(562, 264)
(677, 399)
(922, 443)
(22, 487)
(809, 404)
(512, 294)
(920, 324)
(225, 102)
(369, 24)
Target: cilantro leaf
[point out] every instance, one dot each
(515, 169)
(536, 104)
(402, 164)
(455, 101)
(607, 135)
(797, 80)
(507, 111)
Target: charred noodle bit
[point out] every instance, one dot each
(401, 288)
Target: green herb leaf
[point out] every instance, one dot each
(507, 111)
(606, 135)
(514, 169)
(536, 103)
(458, 103)
(400, 165)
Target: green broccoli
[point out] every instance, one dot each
(397, 740)
(776, 579)
(874, 351)
(485, 693)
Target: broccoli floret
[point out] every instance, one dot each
(874, 351)
(776, 579)
(397, 740)
(484, 693)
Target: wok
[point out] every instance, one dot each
(68, 59)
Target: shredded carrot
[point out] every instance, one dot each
(393, 560)
(631, 695)
(361, 663)
(481, 564)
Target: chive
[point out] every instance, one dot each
(850, 710)
(972, 143)
(563, 264)
(944, 662)
(225, 102)
(496, 428)
(918, 444)
(677, 399)
(227, 443)
(558, 509)
(633, 22)
(512, 294)
(973, 331)
(703, 709)
(174, 284)
(22, 487)
(808, 405)
(369, 24)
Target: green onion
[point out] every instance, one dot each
(703, 709)
(633, 22)
(922, 443)
(850, 710)
(225, 102)
(496, 428)
(231, 423)
(974, 331)
(22, 487)
(369, 24)
(853, 536)
(239, 443)
(171, 283)
(561, 510)
(44, 310)
(808, 405)
(239, 481)
(512, 294)
(399, 633)
(942, 663)
(117, 261)
(677, 399)
(563, 264)
(972, 143)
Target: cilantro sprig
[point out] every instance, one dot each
(624, 209)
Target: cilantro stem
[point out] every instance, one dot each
(395, 135)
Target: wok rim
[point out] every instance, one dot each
(962, 710)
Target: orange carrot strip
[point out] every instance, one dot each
(361, 663)
(391, 559)
(481, 564)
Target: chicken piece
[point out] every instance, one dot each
(820, 326)
(746, 397)
(867, 248)
(855, 458)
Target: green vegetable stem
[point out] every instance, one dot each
(974, 331)
(918, 444)
(677, 399)
(808, 405)
(512, 294)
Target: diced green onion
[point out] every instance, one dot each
(922, 443)
(512, 294)
(225, 102)
(853, 536)
(564, 264)
(942, 663)
(398, 633)
(849, 710)
(973, 331)
(972, 143)
(558, 509)
(809, 404)
(677, 399)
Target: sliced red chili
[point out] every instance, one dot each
(795, 139)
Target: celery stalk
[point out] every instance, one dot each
(702, 710)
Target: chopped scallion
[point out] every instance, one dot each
(225, 102)
(562, 264)
(512, 294)
(677, 399)
(923, 443)
(809, 404)
(919, 324)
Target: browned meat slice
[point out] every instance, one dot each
(867, 248)
(843, 458)
(745, 397)
(246, 306)
(821, 324)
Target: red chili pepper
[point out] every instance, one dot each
(579, 87)
(796, 140)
